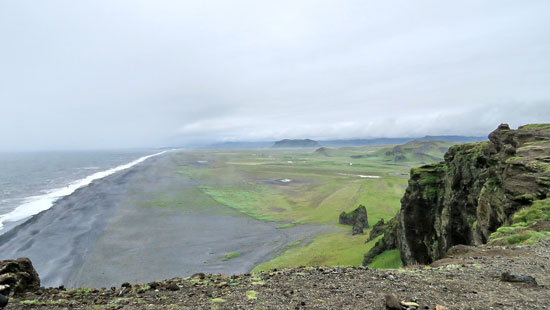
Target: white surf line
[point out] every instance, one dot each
(37, 204)
(363, 176)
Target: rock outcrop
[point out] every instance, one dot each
(390, 240)
(323, 151)
(18, 276)
(358, 218)
(468, 196)
(377, 230)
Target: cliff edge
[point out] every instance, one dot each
(495, 191)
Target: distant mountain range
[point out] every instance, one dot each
(374, 141)
(242, 144)
(340, 143)
(296, 143)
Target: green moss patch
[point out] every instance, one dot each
(524, 228)
(539, 210)
(535, 127)
(231, 256)
(390, 259)
(251, 294)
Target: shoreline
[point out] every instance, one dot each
(33, 205)
(115, 230)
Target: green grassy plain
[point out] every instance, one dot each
(301, 186)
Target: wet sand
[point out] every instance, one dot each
(142, 224)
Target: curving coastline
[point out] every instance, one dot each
(115, 230)
(37, 204)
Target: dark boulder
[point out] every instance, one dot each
(519, 278)
(18, 276)
(3, 301)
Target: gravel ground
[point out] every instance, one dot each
(469, 278)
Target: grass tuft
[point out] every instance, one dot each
(231, 256)
(390, 259)
(251, 294)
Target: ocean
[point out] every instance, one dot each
(30, 182)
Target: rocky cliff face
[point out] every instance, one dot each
(469, 195)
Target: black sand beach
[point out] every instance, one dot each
(121, 228)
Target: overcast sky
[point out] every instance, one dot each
(130, 73)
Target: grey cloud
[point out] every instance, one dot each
(104, 74)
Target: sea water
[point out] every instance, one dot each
(31, 182)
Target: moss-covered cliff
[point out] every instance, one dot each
(468, 196)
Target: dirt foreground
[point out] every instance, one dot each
(469, 278)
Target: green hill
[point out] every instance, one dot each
(427, 151)
(296, 143)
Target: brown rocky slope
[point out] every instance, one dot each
(468, 278)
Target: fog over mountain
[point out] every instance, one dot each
(109, 74)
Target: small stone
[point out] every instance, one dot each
(172, 286)
(392, 303)
(439, 307)
(409, 304)
(222, 284)
(4, 288)
(126, 284)
(199, 275)
(153, 285)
